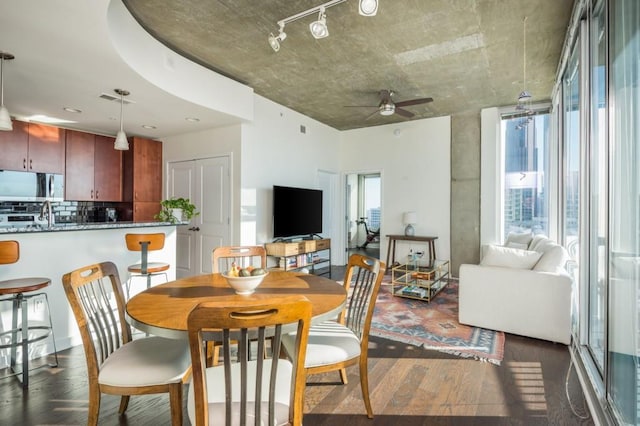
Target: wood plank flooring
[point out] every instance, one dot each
(409, 386)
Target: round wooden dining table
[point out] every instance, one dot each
(163, 310)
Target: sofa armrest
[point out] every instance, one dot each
(519, 301)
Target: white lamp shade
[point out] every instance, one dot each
(121, 143)
(5, 119)
(409, 218)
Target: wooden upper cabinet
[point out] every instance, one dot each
(107, 170)
(15, 147)
(33, 147)
(146, 157)
(94, 168)
(79, 166)
(143, 177)
(46, 149)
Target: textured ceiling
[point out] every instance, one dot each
(465, 54)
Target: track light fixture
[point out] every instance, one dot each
(368, 7)
(121, 143)
(274, 41)
(5, 117)
(319, 27)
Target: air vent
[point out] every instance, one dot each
(116, 98)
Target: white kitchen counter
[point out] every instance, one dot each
(55, 251)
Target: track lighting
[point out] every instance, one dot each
(368, 7)
(121, 143)
(5, 117)
(274, 41)
(319, 28)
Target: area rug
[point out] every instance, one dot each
(434, 325)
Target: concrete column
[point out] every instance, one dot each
(465, 189)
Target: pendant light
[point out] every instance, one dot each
(121, 143)
(5, 117)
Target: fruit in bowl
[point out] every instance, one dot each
(244, 280)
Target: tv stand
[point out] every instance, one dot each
(313, 255)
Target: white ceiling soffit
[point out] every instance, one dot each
(172, 72)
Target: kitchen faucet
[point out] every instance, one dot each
(46, 209)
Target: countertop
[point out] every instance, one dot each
(58, 227)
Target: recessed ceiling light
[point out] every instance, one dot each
(192, 119)
(148, 126)
(73, 110)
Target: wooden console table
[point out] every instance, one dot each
(391, 251)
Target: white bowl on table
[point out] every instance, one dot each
(244, 285)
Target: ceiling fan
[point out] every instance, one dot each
(388, 107)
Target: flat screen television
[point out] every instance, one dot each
(296, 212)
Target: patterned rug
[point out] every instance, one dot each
(434, 325)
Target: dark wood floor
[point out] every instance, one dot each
(409, 386)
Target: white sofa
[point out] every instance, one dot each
(520, 288)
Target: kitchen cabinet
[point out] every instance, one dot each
(33, 147)
(93, 168)
(143, 177)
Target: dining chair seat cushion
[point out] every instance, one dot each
(152, 267)
(329, 343)
(147, 361)
(216, 393)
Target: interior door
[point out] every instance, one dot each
(206, 183)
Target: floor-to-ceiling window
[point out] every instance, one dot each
(601, 146)
(571, 168)
(598, 186)
(624, 233)
(526, 173)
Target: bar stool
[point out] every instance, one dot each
(20, 290)
(144, 243)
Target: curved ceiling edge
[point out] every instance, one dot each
(173, 73)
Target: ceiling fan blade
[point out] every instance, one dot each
(403, 112)
(414, 102)
(373, 114)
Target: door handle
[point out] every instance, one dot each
(194, 228)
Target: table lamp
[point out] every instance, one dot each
(409, 219)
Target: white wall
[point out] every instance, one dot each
(414, 159)
(276, 152)
(273, 150)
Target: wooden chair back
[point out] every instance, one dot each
(243, 256)
(144, 243)
(136, 242)
(362, 280)
(236, 325)
(97, 301)
(9, 252)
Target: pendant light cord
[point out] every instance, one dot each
(1, 78)
(121, 104)
(524, 56)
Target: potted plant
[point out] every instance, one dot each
(176, 210)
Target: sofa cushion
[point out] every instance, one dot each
(553, 259)
(538, 240)
(519, 240)
(509, 257)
